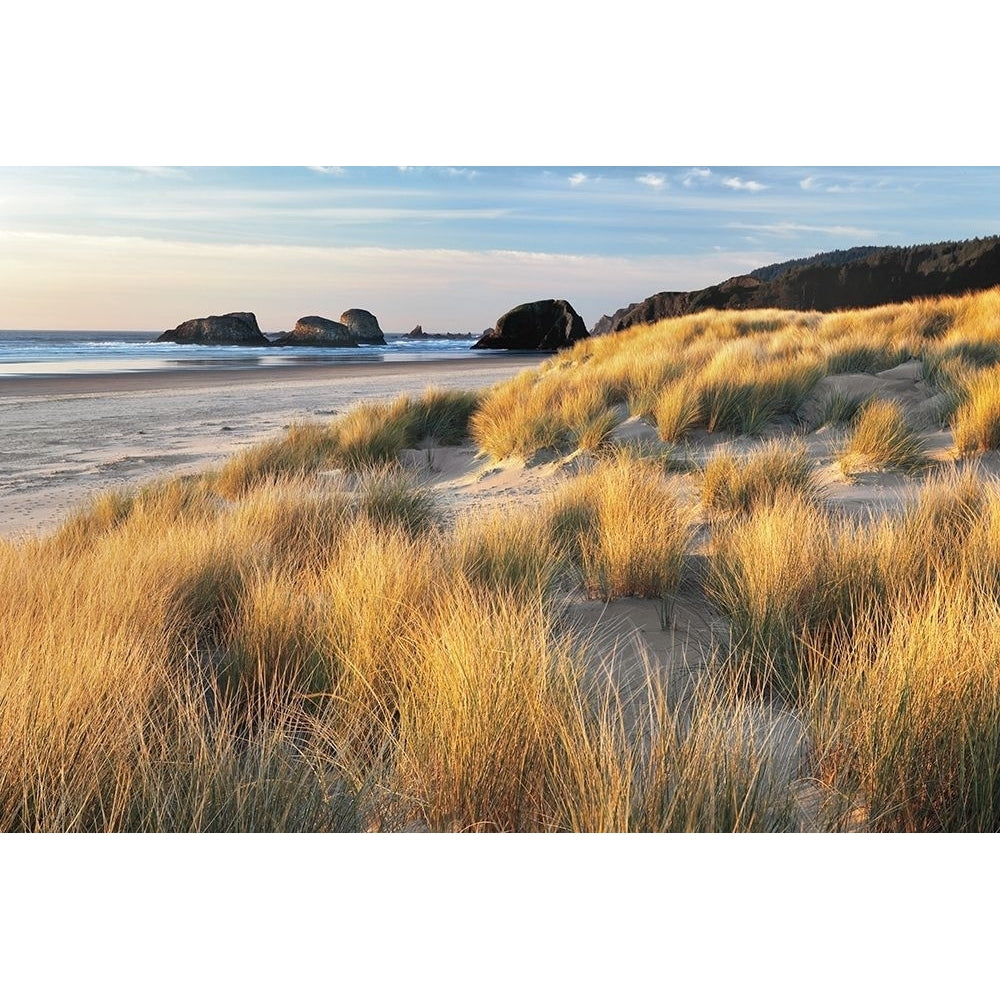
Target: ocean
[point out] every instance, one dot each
(91, 352)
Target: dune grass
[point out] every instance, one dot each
(518, 418)
(733, 484)
(557, 409)
(793, 579)
(510, 551)
(881, 439)
(777, 573)
(626, 526)
(272, 649)
(838, 409)
(678, 409)
(976, 421)
(862, 353)
(906, 716)
(304, 449)
(367, 436)
(267, 667)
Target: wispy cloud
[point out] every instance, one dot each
(466, 172)
(790, 228)
(332, 171)
(392, 213)
(738, 184)
(696, 175)
(577, 179)
(652, 180)
(173, 173)
(859, 185)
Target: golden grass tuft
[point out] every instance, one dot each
(678, 409)
(507, 552)
(976, 422)
(369, 435)
(906, 714)
(303, 449)
(881, 439)
(518, 418)
(628, 527)
(734, 484)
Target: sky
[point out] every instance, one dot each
(449, 247)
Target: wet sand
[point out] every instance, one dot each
(65, 438)
(213, 376)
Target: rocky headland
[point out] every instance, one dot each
(858, 278)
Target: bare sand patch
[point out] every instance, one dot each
(67, 439)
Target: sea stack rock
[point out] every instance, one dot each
(417, 333)
(547, 325)
(232, 328)
(317, 331)
(363, 326)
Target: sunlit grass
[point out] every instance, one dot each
(882, 439)
(627, 526)
(733, 484)
(976, 421)
(906, 715)
(280, 646)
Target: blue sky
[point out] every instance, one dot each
(451, 248)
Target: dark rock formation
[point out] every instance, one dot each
(317, 331)
(608, 324)
(417, 333)
(547, 325)
(232, 328)
(843, 279)
(363, 325)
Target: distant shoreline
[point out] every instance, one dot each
(21, 386)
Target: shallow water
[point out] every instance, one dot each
(91, 352)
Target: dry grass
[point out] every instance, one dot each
(906, 715)
(513, 551)
(557, 409)
(678, 409)
(736, 485)
(777, 574)
(881, 439)
(518, 418)
(270, 649)
(838, 409)
(976, 421)
(627, 527)
(304, 449)
(367, 436)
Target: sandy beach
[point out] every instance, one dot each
(68, 438)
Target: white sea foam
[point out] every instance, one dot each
(67, 352)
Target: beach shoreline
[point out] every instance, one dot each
(75, 383)
(70, 437)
